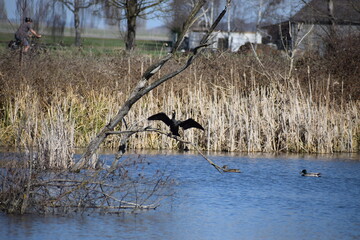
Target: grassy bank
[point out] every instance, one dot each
(94, 45)
(61, 100)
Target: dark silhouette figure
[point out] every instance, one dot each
(175, 124)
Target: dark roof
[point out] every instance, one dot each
(317, 11)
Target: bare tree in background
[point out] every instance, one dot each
(56, 22)
(212, 8)
(266, 9)
(180, 9)
(3, 13)
(24, 8)
(131, 10)
(41, 13)
(113, 15)
(75, 6)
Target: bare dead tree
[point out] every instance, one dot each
(75, 6)
(133, 9)
(180, 9)
(57, 22)
(41, 13)
(24, 8)
(266, 8)
(145, 85)
(3, 13)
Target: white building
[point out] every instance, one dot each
(224, 40)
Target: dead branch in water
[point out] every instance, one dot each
(144, 86)
(149, 129)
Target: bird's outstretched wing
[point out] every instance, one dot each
(162, 117)
(190, 123)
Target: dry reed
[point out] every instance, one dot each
(242, 106)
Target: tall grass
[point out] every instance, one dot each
(63, 100)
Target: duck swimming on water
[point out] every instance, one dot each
(306, 174)
(175, 124)
(226, 169)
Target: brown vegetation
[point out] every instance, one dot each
(244, 104)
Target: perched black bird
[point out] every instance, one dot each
(175, 124)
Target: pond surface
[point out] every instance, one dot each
(268, 200)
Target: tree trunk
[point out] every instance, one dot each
(131, 15)
(77, 27)
(332, 32)
(258, 21)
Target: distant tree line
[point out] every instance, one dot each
(243, 15)
(53, 12)
(132, 11)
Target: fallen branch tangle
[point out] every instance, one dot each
(62, 192)
(144, 86)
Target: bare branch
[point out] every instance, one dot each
(177, 138)
(216, 22)
(190, 21)
(143, 87)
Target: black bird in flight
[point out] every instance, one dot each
(175, 124)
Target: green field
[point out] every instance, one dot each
(97, 45)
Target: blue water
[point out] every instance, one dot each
(268, 200)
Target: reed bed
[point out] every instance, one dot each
(57, 102)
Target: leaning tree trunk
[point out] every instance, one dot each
(144, 86)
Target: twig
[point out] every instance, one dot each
(128, 206)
